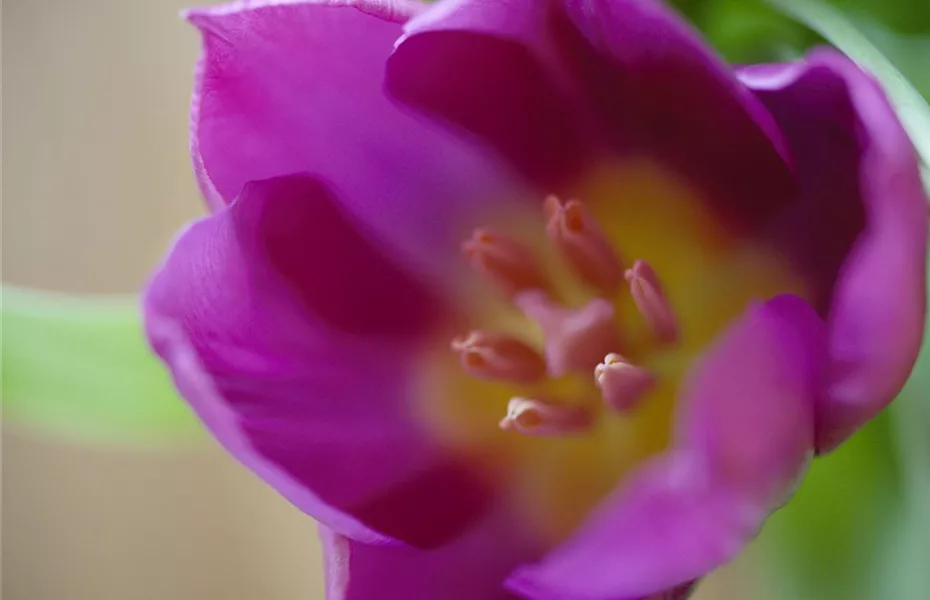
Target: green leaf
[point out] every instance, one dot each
(752, 32)
(80, 367)
(906, 563)
(909, 53)
(839, 31)
(824, 544)
(902, 15)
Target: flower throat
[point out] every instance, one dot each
(585, 340)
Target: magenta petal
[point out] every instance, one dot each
(679, 592)
(861, 231)
(668, 525)
(658, 85)
(289, 87)
(238, 38)
(489, 68)
(555, 86)
(293, 339)
(745, 433)
(472, 567)
(748, 410)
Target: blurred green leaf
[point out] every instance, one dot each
(825, 543)
(910, 54)
(752, 32)
(910, 16)
(839, 31)
(80, 367)
(909, 555)
(747, 31)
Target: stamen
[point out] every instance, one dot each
(499, 356)
(575, 339)
(651, 300)
(536, 417)
(622, 384)
(583, 244)
(504, 261)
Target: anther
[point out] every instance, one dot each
(650, 298)
(584, 245)
(540, 418)
(575, 339)
(622, 384)
(499, 356)
(506, 262)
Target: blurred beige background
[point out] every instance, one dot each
(97, 181)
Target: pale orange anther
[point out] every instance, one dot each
(650, 298)
(506, 262)
(579, 238)
(622, 384)
(540, 418)
(575, 339)
(498, 356)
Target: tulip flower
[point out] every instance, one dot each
(533, 298)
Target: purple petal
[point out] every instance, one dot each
(748, 410)
(491, 68)
(221, 96)
(658, 84)
(745, 433)
(297, 87)
(554, 86)
(294, 339)
(860, 232)
(681, 592)
(473, 567)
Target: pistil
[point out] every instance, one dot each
(575, 339)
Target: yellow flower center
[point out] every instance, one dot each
(569, 373)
